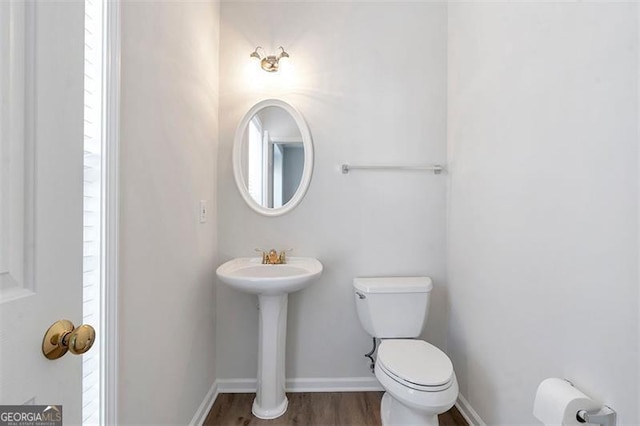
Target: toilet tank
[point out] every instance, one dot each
(392, 307)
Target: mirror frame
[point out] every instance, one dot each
(307, 170)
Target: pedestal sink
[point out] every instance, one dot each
(272, 284)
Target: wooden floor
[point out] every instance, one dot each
(336, 408)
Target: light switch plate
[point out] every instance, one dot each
(203, 211)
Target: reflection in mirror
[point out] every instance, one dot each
(272, 157)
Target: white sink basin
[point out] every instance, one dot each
(248, 274)
(272, 284)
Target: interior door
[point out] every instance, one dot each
(41, 198)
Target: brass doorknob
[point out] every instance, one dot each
(62, 336)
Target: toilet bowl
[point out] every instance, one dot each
(418, 377)
(419, 382)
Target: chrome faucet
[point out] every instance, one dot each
(271, 257)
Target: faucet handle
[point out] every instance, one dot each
(283, 255)
(265, 256)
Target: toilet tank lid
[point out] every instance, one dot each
(393, 284)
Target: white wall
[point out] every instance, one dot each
(638, 182)
(370, 79)
(168, 164)
(543, 225)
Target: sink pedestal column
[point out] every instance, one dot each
(271, 401)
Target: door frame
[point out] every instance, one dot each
(111, 209)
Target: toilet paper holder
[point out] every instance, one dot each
(606, 416)
(558, 401)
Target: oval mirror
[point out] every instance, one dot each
(272, 157)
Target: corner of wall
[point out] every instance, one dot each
(637, 5)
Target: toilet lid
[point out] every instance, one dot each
(415, 361)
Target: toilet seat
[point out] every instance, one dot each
(415, 364)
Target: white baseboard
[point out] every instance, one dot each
(205, 406)
(237, 385)
(333, 384)
(468, 412)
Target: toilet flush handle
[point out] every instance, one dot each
(360, 295)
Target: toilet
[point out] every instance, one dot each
(418, 377)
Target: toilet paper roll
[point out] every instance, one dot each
(557, 403)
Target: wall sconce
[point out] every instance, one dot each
(269, 63)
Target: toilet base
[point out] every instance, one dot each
(393, 413)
